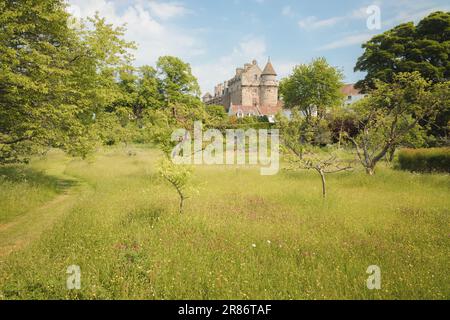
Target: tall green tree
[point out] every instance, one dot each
(310, 91)
(39, 57)
(140, 90)
(149, 95)
(424, 47)
(177, 83)
(313, 87)
(55, 74)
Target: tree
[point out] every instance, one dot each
(312, 88)
(162, 126)
(54, 75)
(309, 160)
(407, 48)
(295, 137)
(216, 116)
(176, 80)
(424, 48)
(388, 116)
(149, 96)
(342, 122)
(139, 90)
(35, 42)
(293, 132)
(179, 178)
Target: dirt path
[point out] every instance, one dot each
(31, 225)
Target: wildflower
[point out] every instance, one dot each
(268, 242)
(254, 245)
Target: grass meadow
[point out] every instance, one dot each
(242, 235)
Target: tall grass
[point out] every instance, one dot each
(22, 189)
(244, 236)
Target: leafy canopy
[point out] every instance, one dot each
(312, 87)
(424, 47)
(55, 74)
(392, 112)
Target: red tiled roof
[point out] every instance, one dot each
(256, 110)
(350, 90)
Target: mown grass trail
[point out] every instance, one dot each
(25, 222)
(243, 236)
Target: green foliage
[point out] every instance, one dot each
(54, 74)
(179, 177)
(342, 122)
(139, 91)
(113, 128)
(312, 87)
(292, 132)
(299, 131)
(298, 137)
(177, 84)
(407, 48)
(425, 160)
(389, 116)
(423, 48)
(216, 116)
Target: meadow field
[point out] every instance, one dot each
(242, 235)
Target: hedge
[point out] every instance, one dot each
(425, 160)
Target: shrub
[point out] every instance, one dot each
(425, 160)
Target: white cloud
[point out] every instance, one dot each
(360, 13)
(167, 10)
(410, 12)
(287, 11)
(347, 41)
(223, 68)
(405, 11)
(313, 22)
(146, 25)
(284, 68)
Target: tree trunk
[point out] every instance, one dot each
(391, 154)
(181, 205)
(324, 189)
(340, 136)
(370, 170)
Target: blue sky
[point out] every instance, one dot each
(217, 36)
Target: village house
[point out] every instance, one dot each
(351, 94)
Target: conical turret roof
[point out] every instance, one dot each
(269, 70)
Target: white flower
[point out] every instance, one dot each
(254, 245)
(268, 241)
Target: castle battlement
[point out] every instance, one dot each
(251, 90)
